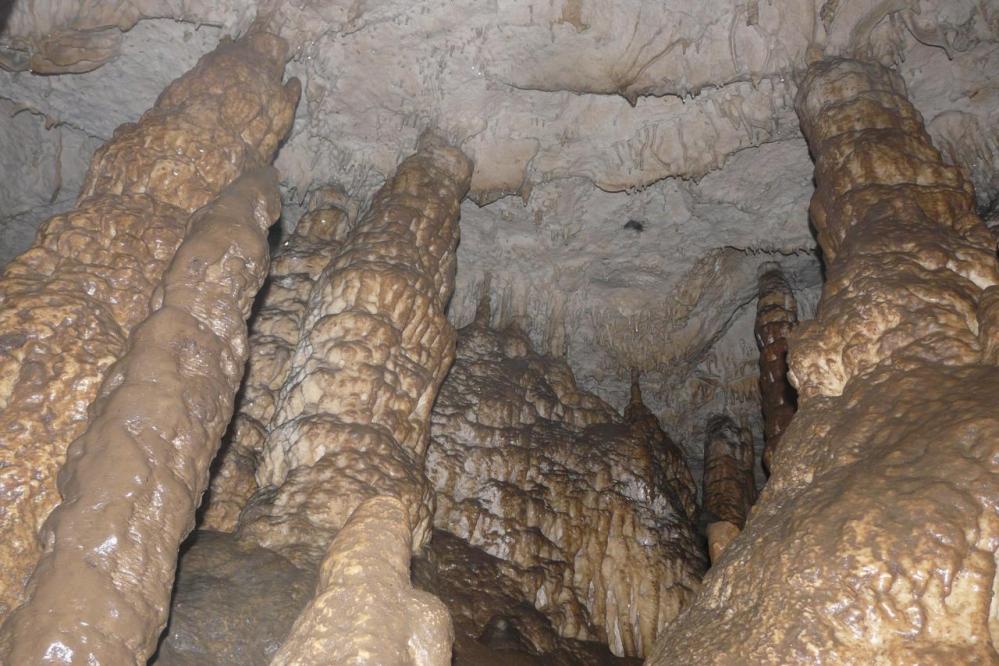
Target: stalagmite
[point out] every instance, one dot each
(274, 335)
(729, 485)
(669, 456)
(776, 315)
(131, 483)
(352, 422)
(587, 511)
(874, 541)
(68, 304)
(366, 611)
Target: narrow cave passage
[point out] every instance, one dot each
(591, 333)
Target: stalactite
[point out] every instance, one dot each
(776, 315)
(274, 335)
(131, 483)
(366, 610)
(729, 484)
(874, 540)
(68, 304)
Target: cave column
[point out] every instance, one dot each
(352, 421)
(776, 315)
(131, 483)
(728, 484)
(68, 304)
(874, 540)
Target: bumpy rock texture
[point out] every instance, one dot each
(493, 624)
(274, 335)
(588, 510)
(366, 610)
(776, 315)
(132, 481)
(67, 305)
(875, 539)
(353, 419)
(729, 486)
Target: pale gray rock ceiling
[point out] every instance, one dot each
(636, 162)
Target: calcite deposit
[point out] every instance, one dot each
(874, 541)
(274, 336)
(776, 315)
(588, 510)
(729, 486)
(132, 481)
(366, 610)
(68, 304)
(352, 421)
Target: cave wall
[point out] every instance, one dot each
(669, 119)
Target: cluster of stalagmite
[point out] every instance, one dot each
(274, 335)
(776, 315)
(132, 481)
(874, 540)
(352, 420)
(588, 510)
(68, 304)
(728, 483)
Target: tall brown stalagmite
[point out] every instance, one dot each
(274, 335)
(729, 484)
(68, 304)
(874, 541)
(776, 315)
(353, 420)
(131, 483)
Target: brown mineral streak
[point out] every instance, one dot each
(776, 315)
(589, 512)
(352, 421)
(68, 304)
(274, 336)
(131, 483)
(366, 610)
(875, 539)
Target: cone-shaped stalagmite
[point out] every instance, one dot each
(589, 512)
(729, 485)
(776, 315)
(68, 304)
(274, 333)
(131, 483)
(874, 540)
(352, 421)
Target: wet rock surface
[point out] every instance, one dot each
(68, 304)
(585, 508)
(131, 483)
(233, 603)
(881, 509)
